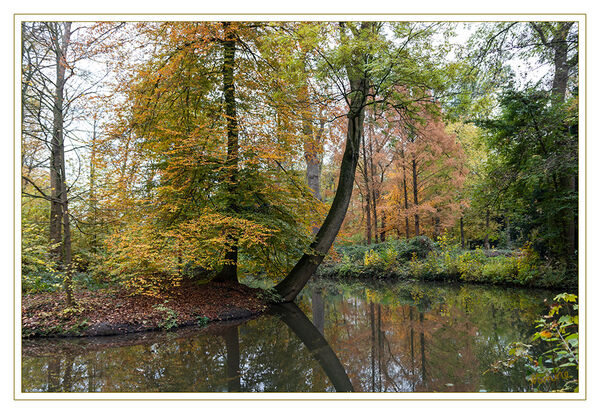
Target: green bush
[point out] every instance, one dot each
(420, 258)
(169, 320)
(499, 269)
(422, 246)
(556, 367)
(393, 250)
(38, 272)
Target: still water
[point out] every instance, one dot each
(365, 337)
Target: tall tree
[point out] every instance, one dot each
(229, 271)
(558, 38)
(43, 97)
(374, 67)
(359, 81)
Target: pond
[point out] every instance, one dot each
(364, 337)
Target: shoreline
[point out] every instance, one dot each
(108, 312)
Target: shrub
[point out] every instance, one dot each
(372, 258)
(421, 258)
(169, 320)
(389, 257)
(499, 269)
(38, 272)
(528, 262)
(420, 246)
(469, 265)
(557, 367)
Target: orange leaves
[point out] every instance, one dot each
(426, 170)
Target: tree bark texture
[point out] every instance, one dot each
(293, 283)
(415, 196)
(60, 229)
(229, 271)
(61, 39)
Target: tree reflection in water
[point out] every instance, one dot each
(364, 337)
(269, 358)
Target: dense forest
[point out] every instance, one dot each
(186, 172)
(152, 152)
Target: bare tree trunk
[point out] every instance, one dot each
(367, 195)
(93, 199)
(67, 259)
(374, 192)
(415, 195)
(383, 224)
(486, 240)
(405, 197)
(462, 233)
(60, 229)
(229, 271)
(312, 154)
(61, 39)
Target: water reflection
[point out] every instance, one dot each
(428, 337)
(265, 357)
(363, 337)
(315, 342)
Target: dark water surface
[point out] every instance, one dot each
(363, 337)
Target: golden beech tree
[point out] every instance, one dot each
(204, 183)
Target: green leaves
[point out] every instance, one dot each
(557, 366)
(531, 154)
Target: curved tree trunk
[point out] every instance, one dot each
(358, 78)
(293, 317)
(289, 287)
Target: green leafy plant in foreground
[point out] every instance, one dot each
(169, 316)
(556, 369)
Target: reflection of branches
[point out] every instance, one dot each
(391, 355)
(299, 323)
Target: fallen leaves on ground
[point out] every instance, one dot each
(117, 312)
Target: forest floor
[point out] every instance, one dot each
(111, 312)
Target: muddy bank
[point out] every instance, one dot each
(112, 312)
